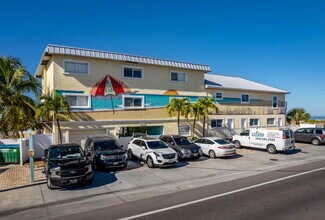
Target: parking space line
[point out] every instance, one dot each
(220, 195)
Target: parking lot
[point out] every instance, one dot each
(138, 181)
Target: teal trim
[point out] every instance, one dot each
(150, 100)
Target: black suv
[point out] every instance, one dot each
(315, 136)
(105, 152)
(183, 146)
(66, 164)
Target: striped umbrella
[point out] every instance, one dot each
(109, 86)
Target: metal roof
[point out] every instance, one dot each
(90, 53)
(237, 83)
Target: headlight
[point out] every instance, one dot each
(157, 155)
(88, 168)
(104, 157)
(55, 172)
(186, 151)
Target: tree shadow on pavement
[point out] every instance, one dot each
(294, 151)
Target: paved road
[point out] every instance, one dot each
(292, 193)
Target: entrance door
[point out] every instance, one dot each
(280, 122)
(230, 123)
(243, 123)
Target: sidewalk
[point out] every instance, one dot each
(16, 176)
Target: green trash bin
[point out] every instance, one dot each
(9, 153)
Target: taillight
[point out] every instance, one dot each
(283, 136)
(222, 147)
(324, 136)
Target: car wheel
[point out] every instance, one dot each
(212, 154)
(315, 141)
(130, 155)
(150, 162)
(271, 149)
(48, 183)
(237, 144)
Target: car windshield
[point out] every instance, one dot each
(57, 153)
(106, 145)
(156, 145)
(182, 141)
(221, 141)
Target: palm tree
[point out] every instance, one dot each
(196, 112)
(208, 105)
(51, 108)
(181, 106)
(296, 115)
(17, 109)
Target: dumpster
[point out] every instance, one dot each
(9, 153)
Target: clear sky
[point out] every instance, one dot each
(280, 43)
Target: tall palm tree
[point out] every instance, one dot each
(181, 106)
(196, 112)
(51, 108)
(296, 115)
(208, 106)
(17, 109)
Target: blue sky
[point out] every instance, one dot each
(278, 43)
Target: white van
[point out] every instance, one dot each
(271, 140)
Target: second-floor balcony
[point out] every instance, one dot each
(251, 109)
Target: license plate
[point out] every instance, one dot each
(74, 181)
(170, 161)
(196, 154)
(115, 163)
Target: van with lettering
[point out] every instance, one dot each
(270, 140)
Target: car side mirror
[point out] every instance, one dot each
(88, 154)
(172, 143)
(43, 159)
(121, 146)
(46, 151)
(143, 147)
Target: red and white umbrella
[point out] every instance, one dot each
(109, 86)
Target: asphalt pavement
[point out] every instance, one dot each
(139, 189)
(292, 193)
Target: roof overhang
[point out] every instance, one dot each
(98, 54)
(244, 89)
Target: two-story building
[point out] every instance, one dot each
(139, 89)
(243, 103)
(122, 94)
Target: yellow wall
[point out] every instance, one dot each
(253, 95)
(156, 78)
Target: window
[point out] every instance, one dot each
(245, 98)
(219, 95)
(200, 141)
(133, 102)
(78, 100)
(137, 142)
(185, 130)
(206, 141)
(178, 77)
(300, 130)
(245, 133)
(309, 130)
(319, 131)
(216, 123)
(76, 67)
(133, 72)
(254, 122)
(275, 102)
(270, 121)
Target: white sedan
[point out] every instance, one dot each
(216, 147)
